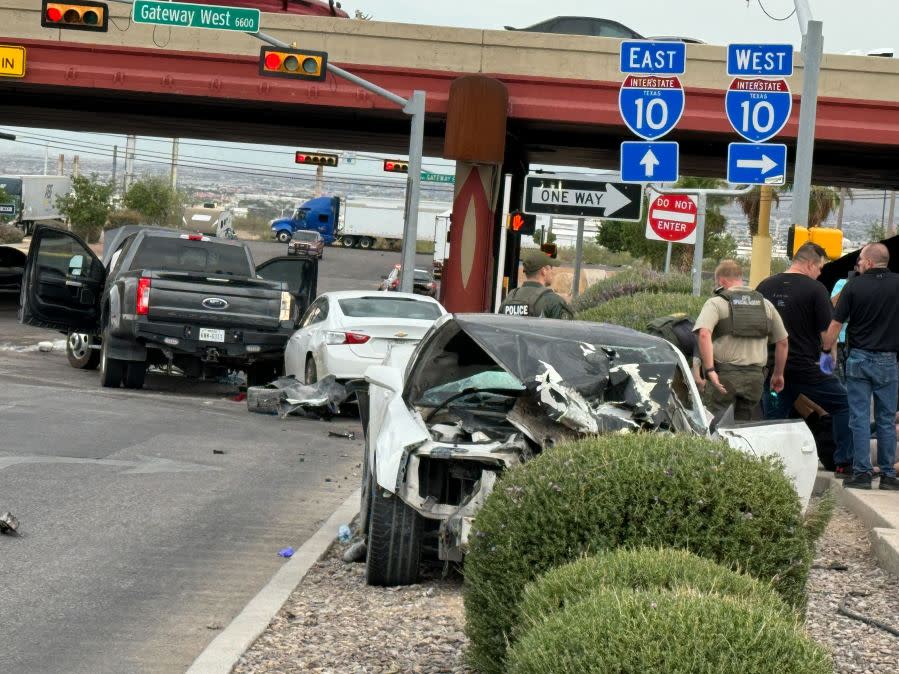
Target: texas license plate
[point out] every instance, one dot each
(210, 335)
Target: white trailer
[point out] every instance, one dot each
(211, 221)
(365, 220)
(36, 197)
(441, 241)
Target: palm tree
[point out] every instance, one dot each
(750, 204)
(822, 202)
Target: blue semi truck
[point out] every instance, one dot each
(356, 222)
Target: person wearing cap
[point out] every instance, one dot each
(535, 296)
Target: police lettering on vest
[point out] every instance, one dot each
(516, 310)
(747, 316)
(523, 301)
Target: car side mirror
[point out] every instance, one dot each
(76, 265)
(385, 377)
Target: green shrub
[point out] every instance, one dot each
(680, 632)
(632, 281)
(635, 569)
(593, 253)
(10, 234)
(628, 491)
(636, 311)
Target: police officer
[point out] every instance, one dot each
(868, 303)
(535, 297)
(735, 327)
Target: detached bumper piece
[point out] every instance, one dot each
(8, 523)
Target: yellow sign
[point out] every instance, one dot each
(12, 61)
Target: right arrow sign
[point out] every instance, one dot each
(582, 196)
(756, 163)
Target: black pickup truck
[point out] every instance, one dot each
(162, 297)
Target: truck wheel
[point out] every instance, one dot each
(112, 370)
(79, 352)
(135, 373)
(347, 241)
(366, 242)
(310, 374)
(283, 236)
(394, 540)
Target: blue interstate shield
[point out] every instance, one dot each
(651, 106)
(758, 109)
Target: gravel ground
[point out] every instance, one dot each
(334, 624)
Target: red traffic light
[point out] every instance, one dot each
(83, 15)
(396, 166)
(317, 158)
(294, 63)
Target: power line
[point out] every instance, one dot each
(774, 18)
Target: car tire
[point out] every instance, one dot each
(283, 236)
(366, 242)
(347, 241)
(112, 370)
(79, 352)
(394, 540)
(135, 374)
(310, 372)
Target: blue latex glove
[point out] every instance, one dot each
(826, 363)
(286, 552)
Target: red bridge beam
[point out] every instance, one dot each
(532, 99)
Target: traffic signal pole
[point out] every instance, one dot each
(812, 53)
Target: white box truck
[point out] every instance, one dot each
(365, 220)
(36, 197)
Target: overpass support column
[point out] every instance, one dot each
(476, 139)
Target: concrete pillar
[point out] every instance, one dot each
(476, 139)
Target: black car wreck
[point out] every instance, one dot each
(485, 392)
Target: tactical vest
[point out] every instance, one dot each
(747, 316)
(523, 301)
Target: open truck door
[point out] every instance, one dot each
(299, 271)
(63, 283)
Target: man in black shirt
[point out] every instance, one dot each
(870, 302)
(804, 304)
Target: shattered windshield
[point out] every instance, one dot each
(494, 380)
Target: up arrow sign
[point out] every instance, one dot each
(765, 164)
(582, 196)
(649, 163)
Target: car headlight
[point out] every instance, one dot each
(286, 306)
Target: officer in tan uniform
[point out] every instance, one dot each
(535, 297)
(735, 328)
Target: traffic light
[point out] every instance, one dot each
(300, 64)
(550, 249)
(317, 159)
(83, 15)
(396, 166)
(523, 223)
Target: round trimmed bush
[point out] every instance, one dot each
(636, 311)
(645, 489)
(636, 569)
(680, 632)
(10, 234)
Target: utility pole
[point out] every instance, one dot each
(76, 166)
(760, 268)
(46, 157)
(812, 52)
(174, 174)
(843, 194)
(115, 161)
(891, 226)
(319, 180)
(60, 165)
(130, 144)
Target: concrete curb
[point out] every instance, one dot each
(878, 510)
(225, 650)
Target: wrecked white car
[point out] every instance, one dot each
(484, 392)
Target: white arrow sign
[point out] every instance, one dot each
(649, 163)
(611, 200)
(765, 164)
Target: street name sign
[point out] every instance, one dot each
(429, 177)
(649, 162)
(583, 197)
(651, 106)
(645, 57)
(12, 61)
(186, 15)
(759, 60)
(758, 109)
(672, 218)
(756, 163)
(7, 209)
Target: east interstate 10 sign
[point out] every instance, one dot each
(651, 106)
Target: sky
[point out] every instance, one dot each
(857, 25)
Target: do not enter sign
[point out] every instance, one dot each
(672, 217)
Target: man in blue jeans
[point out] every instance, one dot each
(870, 303)
(804, 306)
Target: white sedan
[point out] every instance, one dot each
(343, 333)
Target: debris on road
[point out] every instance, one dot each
(56, 345)
(240, 397)
(218, 451)
(287, 552)
(348, 435)
(355, 553)
(214, 626)
(8, 523)
(344, 534)
(286, 396)
(45, 347)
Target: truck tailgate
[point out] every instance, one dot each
(214, 301)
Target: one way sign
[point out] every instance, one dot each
(583, 197)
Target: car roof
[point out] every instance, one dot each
(351, 294)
